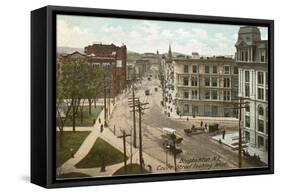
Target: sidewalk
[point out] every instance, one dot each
(107, 135)
(232, 140)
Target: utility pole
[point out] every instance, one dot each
(123, 136)
(133, 101)
(240, 107)
(109, 96)
(140, 107)
(104, 99)
(240, 135)
(106, 89)
(140, 137)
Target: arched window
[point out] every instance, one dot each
(261, 111)
(247, 108)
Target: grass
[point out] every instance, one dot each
(73, 175)
(87, 118)
(101, 152)
(71, 140)
(131, 169)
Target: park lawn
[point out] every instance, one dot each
(87, 119)
(73, 175)
(131, 169)
(71, 140)
(101, 149)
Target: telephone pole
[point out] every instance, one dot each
(106, 89)
(133, 100)
(104, 99)
(123, 136)
(240, 107)
(140, 108)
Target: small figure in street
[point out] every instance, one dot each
(114, 129)
(94, 121)
(101, 128)
(72, 152)
(149, 168)
(206, 125)
(99, 120)
(180, 116)
(187, 119)
(193, 115)
(201, 124)
(223, 134)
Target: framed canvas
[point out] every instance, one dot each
(126, 96)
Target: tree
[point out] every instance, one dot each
(71, 87)
(94, 85)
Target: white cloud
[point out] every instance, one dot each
(148, 36)
(182, 33)
(73, 36)
(167, 34)
(199, 33)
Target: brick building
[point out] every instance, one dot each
(120, 55)
(110, 58)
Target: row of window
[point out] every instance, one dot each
(210, 69)
(262, 92)
(209, 81)
(262, 119)
(262, 77)
(208, 110)
(209, 95)
(261, 141)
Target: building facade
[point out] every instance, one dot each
(252, 60)
(148, 64)
(120, 55)
(108, 64)
(206, 86)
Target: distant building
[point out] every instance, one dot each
(205, 86)
(110, 58)
(111, 50)
(148, 64)
(252, 60)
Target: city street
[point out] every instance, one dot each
(199, 152)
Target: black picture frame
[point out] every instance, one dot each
(43, 90)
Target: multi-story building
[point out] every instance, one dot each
(206, 86)
(148, 64)
(120, 55)
(252, 61)
(110, 58)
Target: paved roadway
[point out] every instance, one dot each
(200, 152)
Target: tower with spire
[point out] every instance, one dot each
(170, 52)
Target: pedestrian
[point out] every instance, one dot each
(223, 134)
(94, 121)
(99, 120)
(187, 119)
(193, 127)
(201, 124)
(114, 129)
(206, 126)
(101, 128)
(180, 116)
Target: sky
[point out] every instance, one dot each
(148, 35)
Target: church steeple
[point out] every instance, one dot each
(170, 55)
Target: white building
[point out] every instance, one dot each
(252, 61)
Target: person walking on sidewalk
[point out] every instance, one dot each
(101, 128)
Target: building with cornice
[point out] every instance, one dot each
(252, 61)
